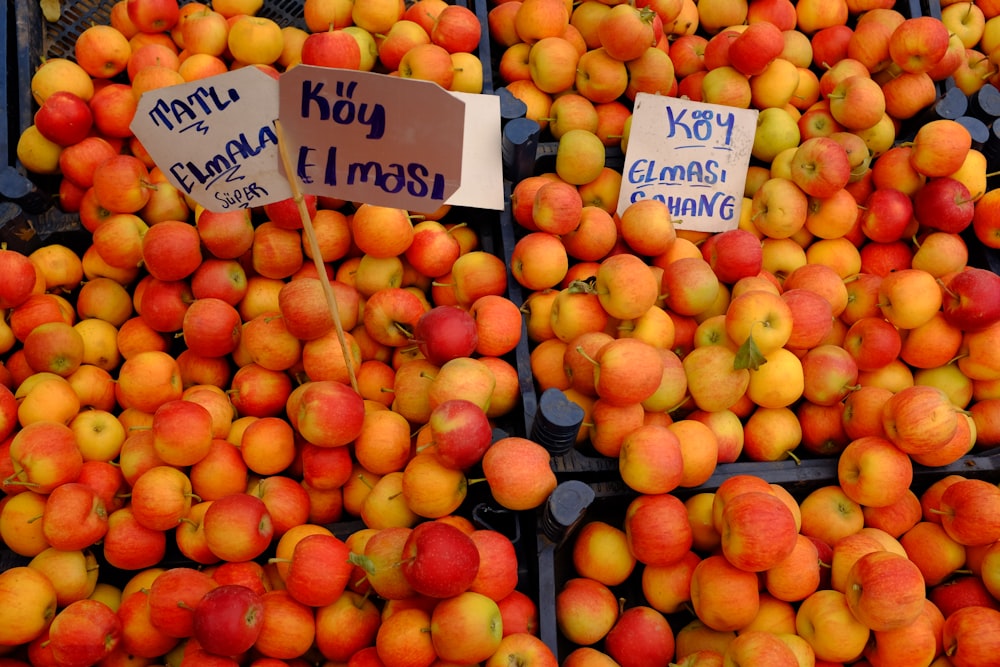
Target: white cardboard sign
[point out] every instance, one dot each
(690, 155)
(369, 137)
(214, 139)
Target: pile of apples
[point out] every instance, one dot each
(840, 319)
(273, 472)
(864, 572)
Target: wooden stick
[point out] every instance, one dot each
(307, 227)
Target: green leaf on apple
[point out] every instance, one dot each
(749, 356)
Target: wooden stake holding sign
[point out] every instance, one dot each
(317, 255)
(243, 139)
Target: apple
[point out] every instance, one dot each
(930, 139)
(967, 512)
(523, 648)
(460, 433)
(40, 456)
(933, 550)
(733, 254)
(968, 302)
(689, 285)
(761, 317)
(227, 620)
(83, 632)
(885, 590)
(828, 514)
(728, 383)
(756, 47)
(518, 473)
(174, 595)
(646, 519)
(439, 560)
(29, 598)
(75, 517)
(238, 527)
(763, 645)
(970, 635)
(758, 531)
(820, 166)
(466, 628)
(723, 596)
(872, 342)
(64, 118)
(923, 405)
(650, 460)
(829, 373)
(640, 633)
(944, 203)
(857, 463)
(827, 623)
(626, 34)
(585, 610)
(798, 576)
(918, 43)
(908, 299)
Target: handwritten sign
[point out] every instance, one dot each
(214, 139)
(363, 136)
(690, 155)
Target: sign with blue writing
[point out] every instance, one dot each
(690, 155)
(214, 139)
(368, 137)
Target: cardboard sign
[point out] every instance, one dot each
(363, 136)
(690, 155)
(214, 139)
(482, 154)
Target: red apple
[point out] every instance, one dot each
(971, 299)
(83, 633)
(972, 636)
(945, 204)
(439, 560)
(885, 590)
(227, 620)
(64, 118)
(444, 333)
(460, 433)
(640, 634)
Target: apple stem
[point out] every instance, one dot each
(14, 481)
(936, 510)
(193, 496)
(793, 457)
(456, 226)
(583, 353)
(364, 480)
(992, 174)
(34, 518)
(402, 328)
(185, 519)
(946, 289)
(387, 390)
(426, 375)
(279, 560)
(957, 357)
(475, 480)
(435, 283)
